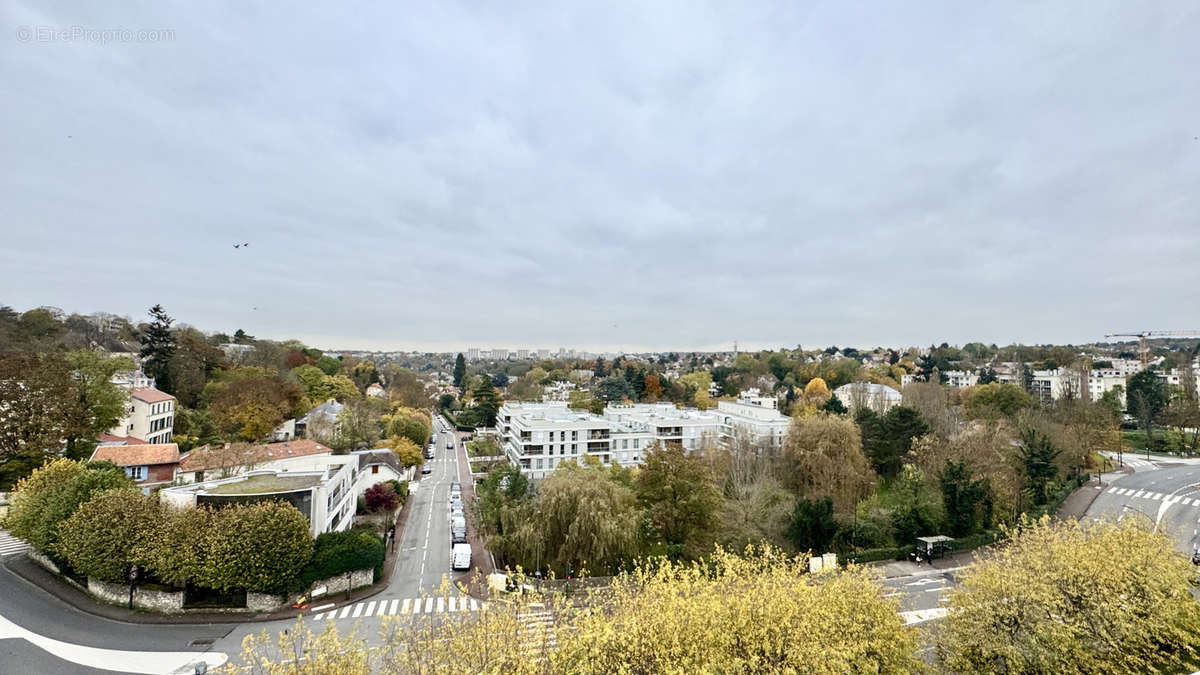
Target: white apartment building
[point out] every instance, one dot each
(149, 417)
(755, 418)
(961, 378)
(1101, 381)
(686, 426)
(473, 354)
(522, 354)
(537, 437)
(877, 397)
(543, 354)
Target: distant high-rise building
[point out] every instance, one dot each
(473, 354)
(543, 353)
(500, 354)
(522, 354)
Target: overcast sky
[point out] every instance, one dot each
(653, 175)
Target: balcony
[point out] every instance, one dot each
(597, 434)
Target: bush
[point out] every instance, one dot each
(100, 538)
(381, 498)
(877, 554)
(177, 549)
(259, 547)
(337, 553)
(51, 494)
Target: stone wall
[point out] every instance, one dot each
(264, 602)
(358, 579)
(143, 598)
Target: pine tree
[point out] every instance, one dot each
(158, 344)
(460, 369)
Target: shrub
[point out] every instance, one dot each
(337, 553)
(381, 498)
(176, 550)
(259, 547)
(99, 539)
(52, 493)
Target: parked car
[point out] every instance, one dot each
(426, 470)
(460, 557)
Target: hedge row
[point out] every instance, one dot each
(336, 553)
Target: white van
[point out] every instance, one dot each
(460, 557)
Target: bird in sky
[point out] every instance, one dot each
(247, 244)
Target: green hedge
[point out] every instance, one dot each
(337, 553)
(877, 554)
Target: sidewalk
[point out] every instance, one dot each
(907, 568)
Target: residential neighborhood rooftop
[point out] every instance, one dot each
(266, 483)
(138, 455)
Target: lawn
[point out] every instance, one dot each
(266, 484)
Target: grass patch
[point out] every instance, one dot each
(266, 484)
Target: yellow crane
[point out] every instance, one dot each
(1144, 348)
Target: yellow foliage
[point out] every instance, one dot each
(816, 389)
(1076, 598)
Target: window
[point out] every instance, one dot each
(374, 468)
(136, 472)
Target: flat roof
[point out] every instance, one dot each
(264, 484)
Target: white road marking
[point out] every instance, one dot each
(921, 615)
(428, 605)
(345, 612)
(321, 607)
(395, 603)
(357, 611)
(370, 609)
(115, 659)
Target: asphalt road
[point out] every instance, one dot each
(1166, 493)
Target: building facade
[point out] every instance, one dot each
(149, 416)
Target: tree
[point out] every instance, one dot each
(614, 388)
(193, 363)
(259, 547)
(100, 539)
(1036, 455)
(1075, 598)
(816, 391)
(487, 402)
(500, 380)
(460, 370)
(995, 400)
(52, 493)
(407, 452)
(410, 423)
(359, 424)
(581, 516)
(1146, 396)
(158, 345)
(37, 397)
(834, 405)
(679, 496)
(329, 365)
(915, 513)
(381, 498)
(252, 408)
(988, 375)
(177, 548)
(967, 500)
(241, 337)
(760, 613)
(887, 439)
(98, 403)
(812, 526)
(653, 389)
(823, 457)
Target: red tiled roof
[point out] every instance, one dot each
(151, 395)
(138, 455)
(213, 458)
(122, 440)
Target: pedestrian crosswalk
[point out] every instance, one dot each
(537, 631)
(1135, 493)
(402, 607)
(10, 545)
(922, 615)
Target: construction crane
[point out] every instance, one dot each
(1144, 349)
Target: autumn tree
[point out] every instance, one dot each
(407, 452)
(191, 365)
(1075, 598)
(37, 397)
(995, 400)
(381, 498)
(823, 457)
(758, 613)
(411, 423)
(252, 408)
(679, 496)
